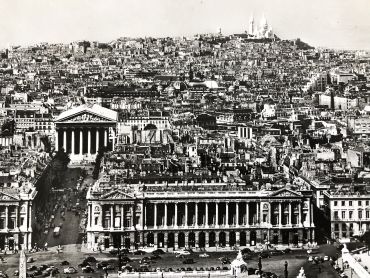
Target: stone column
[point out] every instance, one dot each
(176, 215)
(132, 219)
(57, 140)
(237, 238)
(89, 141)
(196, 215)
(227, 214)
(237, 214)
(111, 217)
(7, 217)
(16, 217)
(81, 143)
(105, 137)
(186, 214)
(280, 216)
(145, 219)
(89, 216)
(311, 214)
(216, 220)
(299, 215)
(155, 216)
(165, 215)
(247, 213)
(290, 214)
(97, 141)
(206, 224)
(122, 217)
(73, 142)
(257, 213)
(65, 140)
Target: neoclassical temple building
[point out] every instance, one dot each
(82, 130)
(191, 214)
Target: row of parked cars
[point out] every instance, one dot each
(86, 266)
(268, 253)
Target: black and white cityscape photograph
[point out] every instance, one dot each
(185, 138)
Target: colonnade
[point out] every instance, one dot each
(225, 214)
(111, 217)
(16, 224)
(81, 140)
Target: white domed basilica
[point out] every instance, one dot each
(263, 31)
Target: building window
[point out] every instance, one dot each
(367, 203)
(336, 227)
(350, 214)
(343, 203)
(360, 203)
(343, 214)
(359, 214)
(367, 214)
(335, 203)
(350, 203)
(336, 215)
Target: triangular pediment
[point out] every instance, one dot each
(85, 117)
(88, 113)
(7, 197)
(285, 193)
(117, 195)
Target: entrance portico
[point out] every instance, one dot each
(83, 130)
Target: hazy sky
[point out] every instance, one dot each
(331, 23)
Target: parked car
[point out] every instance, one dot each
(139, 252)
(69, 270)
(37, 273)
(182, 252)
(87, 269)
(31, 268)
(158, 252)
(101, 264)
(203, 255)
(109, 267)
(276, 252)
(246, 251)
(90, 259)
(65, 263)
(84, 264)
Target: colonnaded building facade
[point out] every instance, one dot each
(83, 130)
(16, 215)
(169, 216)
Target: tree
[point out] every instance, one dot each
(366, 239)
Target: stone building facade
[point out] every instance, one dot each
(167, 216)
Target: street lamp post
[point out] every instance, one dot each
(286, 269)
(260, 265)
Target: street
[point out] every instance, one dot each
(66, 200)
